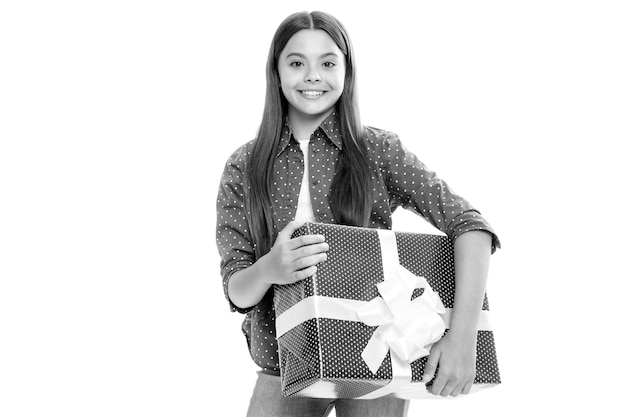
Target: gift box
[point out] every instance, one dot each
(363, 324)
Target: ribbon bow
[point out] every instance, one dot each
(406, 327)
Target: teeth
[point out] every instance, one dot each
(312, 93)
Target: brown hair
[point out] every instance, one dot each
(350, 195)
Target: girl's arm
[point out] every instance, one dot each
(413, 186)
(288, 261)
(454, 356)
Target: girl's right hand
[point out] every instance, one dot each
(291, 260)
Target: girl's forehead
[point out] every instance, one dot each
(311, 42)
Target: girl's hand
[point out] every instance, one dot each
(291, 260)
(453, 357)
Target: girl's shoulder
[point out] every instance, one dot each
(380, 137)
(241, 155)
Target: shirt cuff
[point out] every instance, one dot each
(227, 274)
(472, 221)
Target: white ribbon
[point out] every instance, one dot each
(406, 328)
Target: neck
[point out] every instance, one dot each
(303, 125)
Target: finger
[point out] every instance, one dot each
(438, 385)
(304, 273)
(467, 388)
(308, 261)
(457, 389)
(309, 250)
(448, 388)
(306, 240)
(288, 230)
(431, 365)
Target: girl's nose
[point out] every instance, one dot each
(312, 77)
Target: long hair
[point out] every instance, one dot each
(351, 197)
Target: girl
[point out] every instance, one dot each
(313, 160)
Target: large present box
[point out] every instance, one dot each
(363, 324)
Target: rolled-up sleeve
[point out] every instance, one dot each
(414, 187)
(233, 238)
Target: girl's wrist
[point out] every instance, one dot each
(463, 332)
(264, 274)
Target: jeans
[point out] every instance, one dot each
(267, 401)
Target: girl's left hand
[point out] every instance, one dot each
(453, 357)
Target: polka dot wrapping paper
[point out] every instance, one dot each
(320, 355)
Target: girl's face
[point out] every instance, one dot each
(312, 71)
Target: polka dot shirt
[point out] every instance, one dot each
(401, 180)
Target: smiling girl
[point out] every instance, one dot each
(313, 160)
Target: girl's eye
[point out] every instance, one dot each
(296, 64)
(329, 64)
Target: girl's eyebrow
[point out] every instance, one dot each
(300, 55)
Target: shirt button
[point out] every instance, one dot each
(316, 181)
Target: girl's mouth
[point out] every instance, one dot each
(311, 93)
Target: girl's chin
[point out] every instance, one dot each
(308, 113)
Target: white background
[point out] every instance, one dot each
(116, 119)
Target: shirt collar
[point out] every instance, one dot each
(329, 127)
